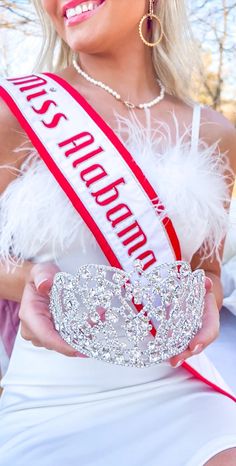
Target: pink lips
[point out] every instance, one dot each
(82, 16)
(71, 4)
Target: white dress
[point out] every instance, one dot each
(57, 410)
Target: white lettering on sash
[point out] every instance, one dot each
(131, 235)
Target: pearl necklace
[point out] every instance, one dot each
(115, 94)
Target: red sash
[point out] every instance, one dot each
(84, 155)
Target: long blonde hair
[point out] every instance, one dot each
(175, 59)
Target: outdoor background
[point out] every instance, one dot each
(214, 26)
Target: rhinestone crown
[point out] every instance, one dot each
(136, 318)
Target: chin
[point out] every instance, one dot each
(95, 43)
(87, 31)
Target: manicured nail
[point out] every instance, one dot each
(178, 363)
(197, 349)
(38, 284)
(210, 283)
(80, 355)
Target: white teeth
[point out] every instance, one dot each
(78, 10)
(88, 6)
(70, 12)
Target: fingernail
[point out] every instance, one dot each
(211, 283)
(38, 284)
(178, 363)
(197, 348)
(80, 355)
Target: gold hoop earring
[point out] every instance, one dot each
(150, 15)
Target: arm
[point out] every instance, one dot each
(11, 136)
(216, 127)
(30, 283)
(12, 282)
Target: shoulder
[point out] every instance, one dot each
(214, 125)
(7, 120)
(11, 133)
(12, 136)
(217, 128)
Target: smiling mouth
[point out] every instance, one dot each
(84, 7)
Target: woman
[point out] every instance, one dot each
(57, 407)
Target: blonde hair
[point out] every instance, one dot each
(176, 59)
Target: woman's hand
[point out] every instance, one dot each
(209, 331)
(36, 320)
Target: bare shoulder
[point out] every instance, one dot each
(12, 136)
(216, 127)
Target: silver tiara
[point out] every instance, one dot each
(136, 318)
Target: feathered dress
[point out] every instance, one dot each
(57, 410)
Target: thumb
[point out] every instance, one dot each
(208, 284)
(42, 276)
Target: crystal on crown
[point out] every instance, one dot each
(137, 318)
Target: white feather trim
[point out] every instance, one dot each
(192, 184)
(37, 216)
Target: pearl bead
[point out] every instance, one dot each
(115, 94)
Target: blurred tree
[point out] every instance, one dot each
(17, 14)
(18, 25)
(214, 24)
(214, 27)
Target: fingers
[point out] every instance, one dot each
(42, 275)
(37, 323)
(211, 323)
(208, 284)
(47, 337)
(206, 335)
